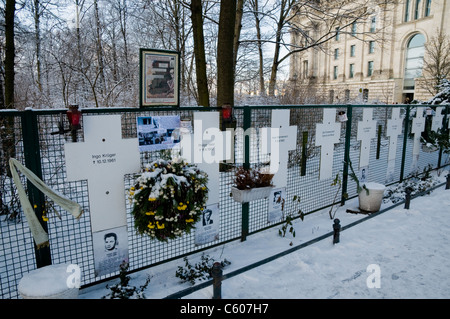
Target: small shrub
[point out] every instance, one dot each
(122, 290)
(200, 271)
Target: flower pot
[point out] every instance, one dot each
(247, 195)
(429, 148)
(371, 202)
(49, 282)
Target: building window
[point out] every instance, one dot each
(331, 95)
(352, 50)
(354, 26)
(373, 24)
(337, 33)
(371, 46)
(370, 68)
(347, 95)
(336, 54)
(305, 69)
(428, 8)
(366, 95)
(352, 71)
(335, 72)
(417, 10)
(407, 5)
(414, 60)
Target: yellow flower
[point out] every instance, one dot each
(189, 220)
(132, 188)
(151, 199)
(45, 219)
(151, 225)
(160, 226)
(150, 213)
(35, 206)
(131, 193)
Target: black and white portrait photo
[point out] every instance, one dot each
(110, 250)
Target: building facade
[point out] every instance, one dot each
(378, 58)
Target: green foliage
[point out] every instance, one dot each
(168, 198)
(288, 226)
(337, 181)
(355, 178)
(122, 290)
(200, 271)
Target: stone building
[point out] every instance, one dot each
(377, 58)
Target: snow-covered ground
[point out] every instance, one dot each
(397, 254)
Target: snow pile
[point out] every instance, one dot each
(45, 282)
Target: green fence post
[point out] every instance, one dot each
(348, 134)
(30, 132)
(246, 206)
(405, 140)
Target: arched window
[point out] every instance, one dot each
(415, 51)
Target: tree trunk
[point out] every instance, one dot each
(9, 53)
(237, 29)
(262, 86)
(199, 52)
(100, 59)
(37, 27)
(225, 53)
(7, 135)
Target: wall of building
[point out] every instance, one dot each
(389, 41)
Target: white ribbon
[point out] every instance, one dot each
(39, 234)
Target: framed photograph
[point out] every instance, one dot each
(208, 227)
(159, 78)
(158, 132)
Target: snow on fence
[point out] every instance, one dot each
(27, 137)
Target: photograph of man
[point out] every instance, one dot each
(110, 250)
(207, 220)
(110, 241)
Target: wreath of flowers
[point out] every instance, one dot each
(168, 198)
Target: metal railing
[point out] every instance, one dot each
(26, 135)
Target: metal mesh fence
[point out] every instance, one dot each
(71, 240)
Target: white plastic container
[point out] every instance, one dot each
(247, 195)
(49, 282)
(371, 202)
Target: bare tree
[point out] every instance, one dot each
(436, 64)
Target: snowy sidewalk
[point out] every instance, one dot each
(410, 248)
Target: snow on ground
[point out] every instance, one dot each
(408, 249)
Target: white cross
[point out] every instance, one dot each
(283, 140)
(436, 123)
(366, 132)
(418, 125)
(209, 146)
(393, 130)
(103, 159)
(327, 134)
